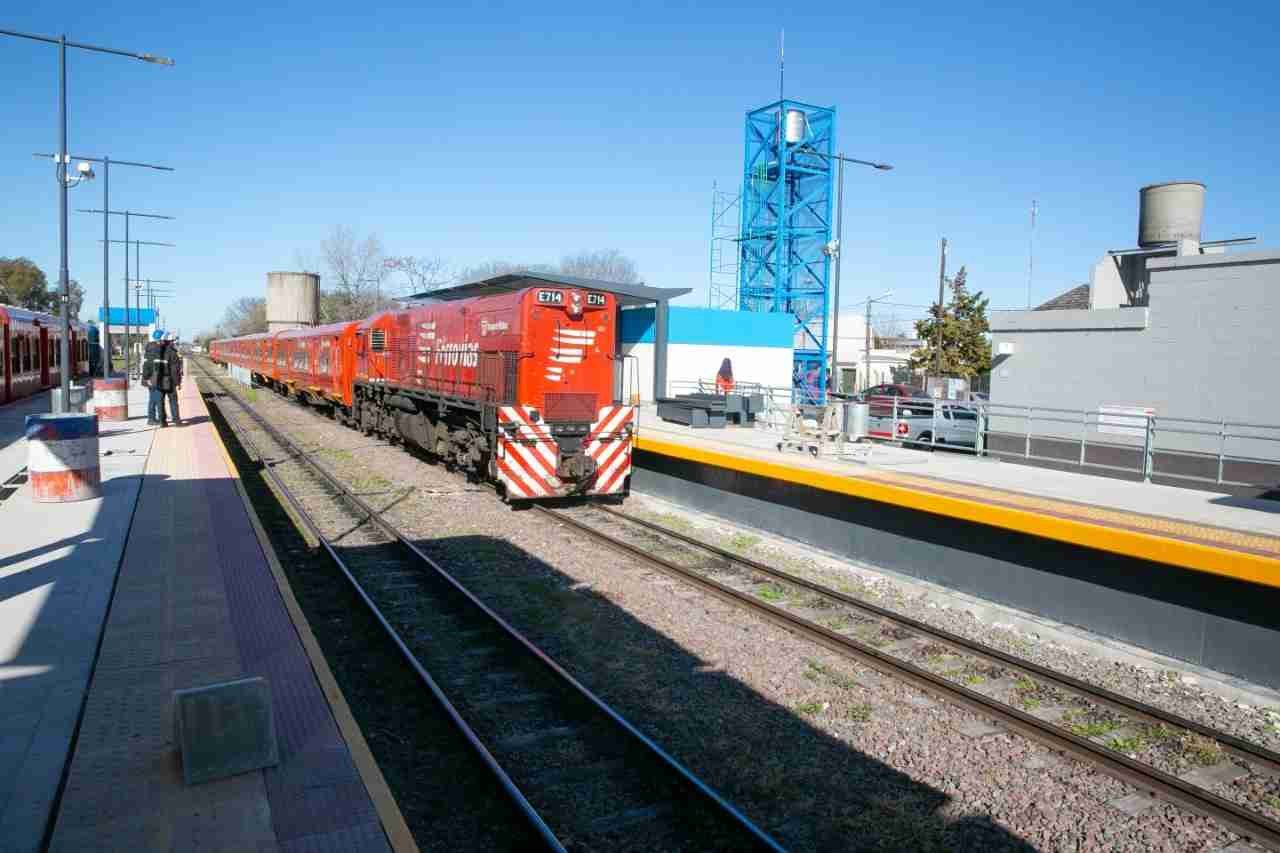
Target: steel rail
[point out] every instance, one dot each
(1159, 784)
(509, 787)
(1237, 746)
(685, 775)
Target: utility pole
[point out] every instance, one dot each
(1031, 252)
(866, 349)
(942, 275)
(834, 384)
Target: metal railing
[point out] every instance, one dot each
(1118, 440)
(1127, 441)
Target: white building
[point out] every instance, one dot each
(888, 362)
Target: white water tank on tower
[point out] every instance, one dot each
(1169, 213)
(293, 300)
(796, 125)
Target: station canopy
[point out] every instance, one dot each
(627, 294)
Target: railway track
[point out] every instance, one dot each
(737, 579)
(580, 776)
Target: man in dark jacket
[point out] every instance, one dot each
(154, 367)
(173, 377)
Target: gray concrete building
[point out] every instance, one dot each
(1177, 330)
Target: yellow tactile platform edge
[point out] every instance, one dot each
(1093, 527)
(384, 802)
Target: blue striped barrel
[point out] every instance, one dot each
(62, 457)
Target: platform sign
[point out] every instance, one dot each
(1124, 420)
(136, 317)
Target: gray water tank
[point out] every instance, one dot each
(1170, 212)
(293, 300)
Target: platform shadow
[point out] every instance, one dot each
(808, 788)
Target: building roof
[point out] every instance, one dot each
(1076, 297)
(629, 294)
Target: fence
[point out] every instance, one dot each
(1115, 439)
(1118, 439)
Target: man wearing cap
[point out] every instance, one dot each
(154, 366)
(172, 378)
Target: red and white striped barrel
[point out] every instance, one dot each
(111, 398)
(62, 457)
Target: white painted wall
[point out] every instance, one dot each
(690, 362)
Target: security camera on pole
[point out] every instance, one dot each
(83, 172)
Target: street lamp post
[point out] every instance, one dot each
(106, 236)
(60, 173)
(866, 346)
(127, 214)
(835, 252)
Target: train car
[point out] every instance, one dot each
(517, 387)
(31, 356)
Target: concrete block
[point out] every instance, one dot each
(1222, 773)
(1132, 804)
(225, 729)
(977, 729)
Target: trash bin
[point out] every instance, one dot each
(856, 420)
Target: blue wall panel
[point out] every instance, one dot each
(689, 325)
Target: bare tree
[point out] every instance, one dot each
(489, 269)
(246, 316)
(304, 260)
(420, 273)
(357, 270)
(603, 264)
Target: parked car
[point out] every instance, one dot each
(881, 399)
(955, 424)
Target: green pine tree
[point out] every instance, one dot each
(966, 349)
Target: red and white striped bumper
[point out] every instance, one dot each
(527, 457)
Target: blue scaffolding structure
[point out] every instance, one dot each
(784, 265)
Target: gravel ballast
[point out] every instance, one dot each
(821, 752)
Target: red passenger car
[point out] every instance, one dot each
(517, 387)
(30, 360)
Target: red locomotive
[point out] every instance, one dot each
(517, 387)
(30, 360)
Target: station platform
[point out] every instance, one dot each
(109, 606)
(1199, 530)
(1186, 574)
(57, 566)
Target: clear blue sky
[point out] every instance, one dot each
(527, 131)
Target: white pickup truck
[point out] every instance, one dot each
(924, 423)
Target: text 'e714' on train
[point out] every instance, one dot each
(517, 387)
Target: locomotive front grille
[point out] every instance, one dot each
(569, 407)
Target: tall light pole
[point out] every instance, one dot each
(866, 347)
(127, 214)
(834, 250)
(106, 235)
(942, 276)
(60, 173)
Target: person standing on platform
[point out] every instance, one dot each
(153, 365)
(173, 377)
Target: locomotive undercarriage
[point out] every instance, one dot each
(459, 432)
(451, 430)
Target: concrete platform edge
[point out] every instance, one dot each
(1207, 619)
(1181, 553)
(389, 814)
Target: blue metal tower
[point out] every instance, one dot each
(786, 227)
